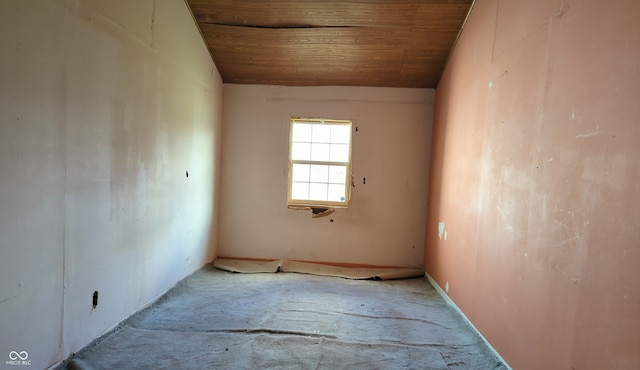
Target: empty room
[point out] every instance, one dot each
(410, 184)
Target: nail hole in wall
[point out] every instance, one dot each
(95, 299)
(187, 173)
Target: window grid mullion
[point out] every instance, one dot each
(327, 163)
(346, 182)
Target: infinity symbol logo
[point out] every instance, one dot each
(23, 355)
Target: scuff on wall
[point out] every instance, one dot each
(442, 231)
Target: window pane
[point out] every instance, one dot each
(321, 133)
(300, 151)
(300, 190)
(318, 191)
(320, 152)
(340, 134)
(300, 172)
(339, 153)
(336, 193)
(338, 174)
(319, 173)
(301, 132)
(320, 158)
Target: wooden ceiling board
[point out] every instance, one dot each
(441, 15)
(430, 39)
(402, 43)
(359, 38)
(293, 13)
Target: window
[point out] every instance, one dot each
(319, 163)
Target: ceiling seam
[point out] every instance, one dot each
(413, 26)
(277, 27)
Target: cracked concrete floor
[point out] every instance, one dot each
(219, 320)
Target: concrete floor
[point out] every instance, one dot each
(219, 320)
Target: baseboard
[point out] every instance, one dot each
(459, 311)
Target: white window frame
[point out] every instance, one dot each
(298, 203)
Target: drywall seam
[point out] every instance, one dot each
(466, 319)
(149, 47)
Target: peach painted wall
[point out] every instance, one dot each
(104, 106)
(384, 225)
(534, 216)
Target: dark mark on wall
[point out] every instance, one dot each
(564, 7)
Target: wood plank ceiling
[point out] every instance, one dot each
(392, 43)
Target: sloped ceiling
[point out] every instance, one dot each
(392, 43)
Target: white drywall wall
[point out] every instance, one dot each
(384, 225)
(104, 107)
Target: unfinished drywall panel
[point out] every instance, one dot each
(534, 180)
(110, 128)
(32, 125)
(381, 226)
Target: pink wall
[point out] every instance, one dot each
(384, 223)
(534, 203)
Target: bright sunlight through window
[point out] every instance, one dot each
(319, 162)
